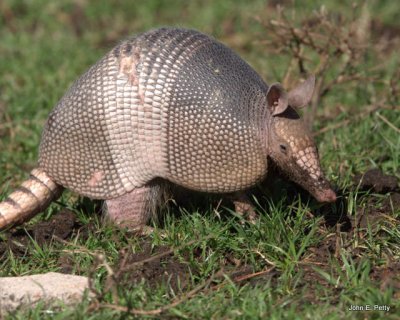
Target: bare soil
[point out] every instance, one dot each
(61, 225)
(162, 268)
(376, 181)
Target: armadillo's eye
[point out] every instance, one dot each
(283, 148)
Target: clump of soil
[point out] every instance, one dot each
(376, 181)
(61, 225)
(373, 180)
(387, 276)
(155, 266)
(392, 202)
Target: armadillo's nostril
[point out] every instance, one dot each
(283, 148)
(327, 195)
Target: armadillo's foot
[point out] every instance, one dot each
(142, 230)
(134, 209)
(244, 207)
(147, 230)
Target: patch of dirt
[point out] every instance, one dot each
(63, 225)
(66, 264)
(374, 212)
(373, 180)
(161, 265)
(154, 266)
(392, 202)
(387, 276)
(60, 225)
(376, 181)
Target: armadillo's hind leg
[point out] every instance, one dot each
(244, 207)
(134, 209)
(34, 196)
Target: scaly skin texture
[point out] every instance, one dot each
(34, 195)
(293, 149)
(171, 105)
(134, 209)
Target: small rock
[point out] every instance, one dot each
(26, 291)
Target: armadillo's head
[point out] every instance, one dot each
(291, 145)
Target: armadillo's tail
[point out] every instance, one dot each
(34, 195)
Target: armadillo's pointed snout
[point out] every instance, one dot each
(327, 195)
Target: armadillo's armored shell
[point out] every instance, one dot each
(169, 103)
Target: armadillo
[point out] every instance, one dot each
(168, 105)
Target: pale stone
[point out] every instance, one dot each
(27, 291)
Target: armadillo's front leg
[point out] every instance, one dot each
(134, 209)
(244, 207)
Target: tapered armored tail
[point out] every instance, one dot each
(33, 196)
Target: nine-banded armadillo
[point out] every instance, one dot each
(168, 105)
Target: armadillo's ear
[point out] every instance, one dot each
(302, 94)
(277, 99)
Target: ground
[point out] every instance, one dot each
(300, 259)
(177, 267)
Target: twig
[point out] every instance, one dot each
(338, 47)
(253, 275)
(216, 209)
(384, 119)
(158, 256)
(353, 118)
(264, 258)
(112, 278)
(162, 309)
(168, 252)
(312, 263)
(186, 296)
(338, 242)
(286, 77)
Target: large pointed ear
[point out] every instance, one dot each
(277, 99)
(302, 94)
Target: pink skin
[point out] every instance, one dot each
(129, 210)
(327, 195)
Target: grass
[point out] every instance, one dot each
(307, 269)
